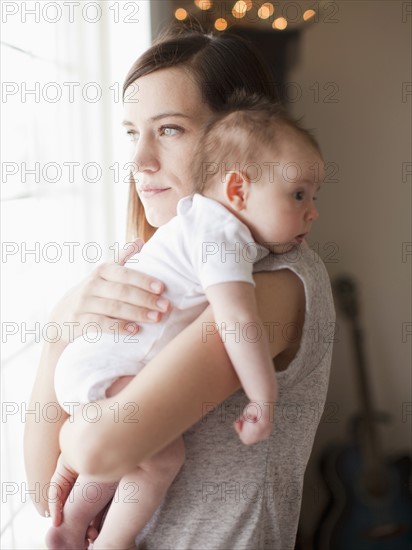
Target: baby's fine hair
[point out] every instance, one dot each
(240, 136)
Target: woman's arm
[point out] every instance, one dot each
(190, 376)
(110, 294)
(41, 437)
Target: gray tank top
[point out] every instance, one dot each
(229, 496)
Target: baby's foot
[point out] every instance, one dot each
(112, 546)
(59, 538)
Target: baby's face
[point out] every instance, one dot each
(280, 209)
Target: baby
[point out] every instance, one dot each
(254, 190)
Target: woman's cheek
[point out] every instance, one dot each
(186, 180)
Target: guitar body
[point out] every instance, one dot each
(356, 520)
(370, 505)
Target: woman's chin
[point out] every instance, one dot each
(157, 220)
(153, 222)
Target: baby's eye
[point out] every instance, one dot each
(298, 195)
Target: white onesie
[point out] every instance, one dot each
(203, 245)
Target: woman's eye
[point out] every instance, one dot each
(169, 131)
(132, 136)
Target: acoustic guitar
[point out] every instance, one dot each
(370, 500)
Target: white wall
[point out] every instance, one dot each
(366, 55)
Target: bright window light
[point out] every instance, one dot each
(64, 191)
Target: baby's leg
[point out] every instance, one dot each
(85, 501)
(118, 385)
(139, 495)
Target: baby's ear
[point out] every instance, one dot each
(237, 188)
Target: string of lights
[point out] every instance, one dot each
(222, 13)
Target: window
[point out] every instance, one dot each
(63, 200)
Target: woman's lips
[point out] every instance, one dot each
(148, 192)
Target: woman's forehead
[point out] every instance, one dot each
(170, 90)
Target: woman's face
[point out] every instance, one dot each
(163, 123)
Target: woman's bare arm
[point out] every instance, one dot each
(179, 386)
(41, 437)
(110, 294)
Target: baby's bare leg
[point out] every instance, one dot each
(138, 496)
(82, 506)
(85, 501)
(118, 385)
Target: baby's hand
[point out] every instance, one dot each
(60, 487)
(254, 424)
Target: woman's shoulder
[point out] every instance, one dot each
(295, 298)
(301, 259)
(300, 269)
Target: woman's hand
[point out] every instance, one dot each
(113, 296)
(60, 487)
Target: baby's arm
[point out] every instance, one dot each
(244, 336)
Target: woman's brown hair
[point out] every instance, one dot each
(220, 64)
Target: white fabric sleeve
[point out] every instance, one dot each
(225, 254)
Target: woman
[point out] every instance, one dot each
(227, 495)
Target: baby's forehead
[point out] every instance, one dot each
(291, 147)
(295, 157)
(288, 135)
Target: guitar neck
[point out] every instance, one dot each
(368, 436)
(365, 394)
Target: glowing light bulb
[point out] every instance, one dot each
(239, 9)
(203, 4)
(308, 15)
(220, 24)
(266, 10)
(180, 14)
(280, 23)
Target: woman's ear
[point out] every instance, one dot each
(237, 189)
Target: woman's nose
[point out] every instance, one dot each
(145, 157)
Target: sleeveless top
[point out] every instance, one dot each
(229, 496)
